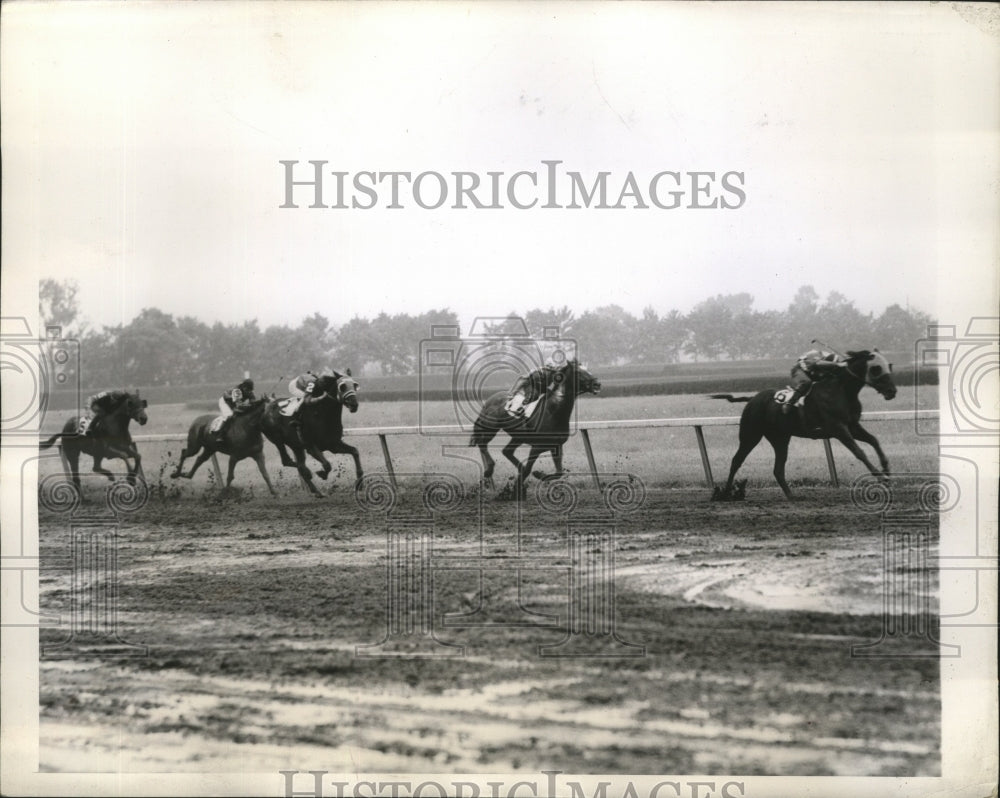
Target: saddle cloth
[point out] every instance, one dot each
(288, 406)
(782, 397)
(216, 424)
(83, 424)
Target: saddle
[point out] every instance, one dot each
(526, 410)
(287, 407)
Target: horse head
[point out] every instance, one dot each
(585, 381)
(873, 369)
(574, 374)
(341, 387)
(135, 408)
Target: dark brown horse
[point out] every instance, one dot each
(545, 430)
(240, 439)
(832, 410)
(319, 427)
(111, 440)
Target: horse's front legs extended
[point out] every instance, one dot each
(340, 447)
(842, 434)
(863, 435)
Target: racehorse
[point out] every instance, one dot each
(545, 430)
(320, 428)
(240, 439)
(832, 410)
(111, 440)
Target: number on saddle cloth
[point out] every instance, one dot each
(83, 424)
(783, 396)
(217, 423)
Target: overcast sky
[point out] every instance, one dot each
(142, 144)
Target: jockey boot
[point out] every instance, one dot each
(797, 394)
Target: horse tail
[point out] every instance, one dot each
(50, 441)
(730, 398)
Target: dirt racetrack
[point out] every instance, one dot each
(737, 620)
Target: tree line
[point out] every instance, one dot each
(155, 348)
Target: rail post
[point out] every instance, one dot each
(388, 458)
(705, 464)
(590, 457)
(830, 463)
(218, 471)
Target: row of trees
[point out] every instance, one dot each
(157, 349)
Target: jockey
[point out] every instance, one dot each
(234, 400)
(529, 388)
(812, 365)
(302, 389)
(101, 404)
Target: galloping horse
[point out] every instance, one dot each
(832, 410)
(112, 440)
(320, 427)
(545, 430)
(241, 439)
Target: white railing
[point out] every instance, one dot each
(584, 427)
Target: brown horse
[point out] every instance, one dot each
(832, 410)
(545, 430)
(319, 427)
(240, 439)
(111, 439)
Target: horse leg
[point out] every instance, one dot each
(317, 454)
(276, 438)
(231, 472)
(488, 465)
(748, 442)
(198, 463)
(259, 460)
(340, 447)
(73, 459)
(98, 458)
(780, 458)
(508, 452)
(863, 435)
(843, 434)
(525, 471)
(304, 472)
(556, 453)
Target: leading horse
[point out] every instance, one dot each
(319, 427)
(111, 440)
(240, 439)
(832, 410)
(545, 430)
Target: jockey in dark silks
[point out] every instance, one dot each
(529, 388)
(101, 404)
(814, 364)
(232, 401)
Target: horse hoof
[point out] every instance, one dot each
(322, 474)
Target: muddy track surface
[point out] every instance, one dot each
(686, 637)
